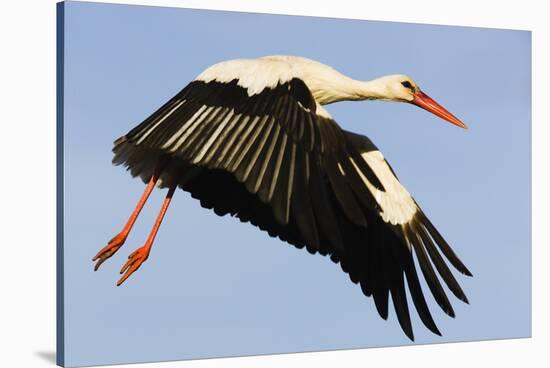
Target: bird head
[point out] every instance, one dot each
(402, 88)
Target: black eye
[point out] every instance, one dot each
(407, 84)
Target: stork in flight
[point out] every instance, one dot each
(250, 138)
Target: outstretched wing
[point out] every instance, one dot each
(277, 159)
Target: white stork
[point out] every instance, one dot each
(250, 138)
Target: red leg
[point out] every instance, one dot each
(140, 255)
(115, 243)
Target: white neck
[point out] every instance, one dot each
(368, 90)
(343, 88)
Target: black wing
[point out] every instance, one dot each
(273, 160)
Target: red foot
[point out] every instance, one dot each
(111, 248)
(135, 260)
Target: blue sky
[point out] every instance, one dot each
(215, 287)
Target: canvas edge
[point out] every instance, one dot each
(60, 285)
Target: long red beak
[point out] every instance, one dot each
(427, 103)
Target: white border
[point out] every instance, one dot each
(27, 203)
